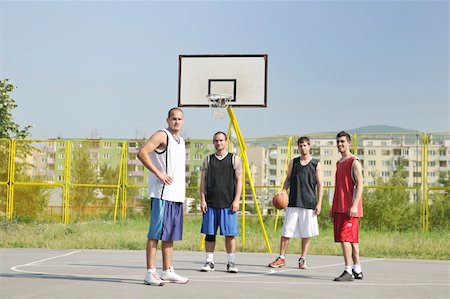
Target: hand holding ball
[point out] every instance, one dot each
(280, 200)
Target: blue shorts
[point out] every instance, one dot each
(166, 220)
(223, 218)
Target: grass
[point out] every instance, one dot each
(131, 234)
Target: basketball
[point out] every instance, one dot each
(280, 200)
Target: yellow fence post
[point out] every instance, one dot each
(424, 184)
(125, 182)
(66, 188)
(10, 180)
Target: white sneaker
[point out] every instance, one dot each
(153, 279)
(208, 267)
(231, 268)
(169, 275)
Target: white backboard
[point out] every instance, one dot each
(244, 77)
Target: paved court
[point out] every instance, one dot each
(40, 273)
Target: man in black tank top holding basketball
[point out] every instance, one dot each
(305, 179)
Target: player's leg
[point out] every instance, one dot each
(172, 231)
(343, 234)
(309, 227)
(209, 228)
(154, 234)
(228, 223)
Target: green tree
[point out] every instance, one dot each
(388, 208)
(8, 127)
(109, 176)
(439, 210)
(82, 171)
(193, 191)
(29, 201)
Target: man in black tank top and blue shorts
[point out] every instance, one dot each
(305, 179)
(220, 192)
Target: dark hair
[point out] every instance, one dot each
(220, 132)
(344, 134)
(173, 109)
(303, 139)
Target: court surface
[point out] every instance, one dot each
(37, 273)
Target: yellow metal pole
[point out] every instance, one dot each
(116, 203)
(125, 182)
(286, 164)
(243, 194)
(355, 144)
(10, 182)
(247, 167)
(66, 194)
(425, 183)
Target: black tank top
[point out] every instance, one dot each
(303, 185)
(220, 182)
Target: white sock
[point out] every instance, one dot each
(210, 257)
(231, 257)
(348, 269)
(357, 268)
(151, 270)
(281, 256)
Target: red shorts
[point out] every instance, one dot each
(345, 228)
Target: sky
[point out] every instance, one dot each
(109, 69)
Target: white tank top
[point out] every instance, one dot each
(171, 161)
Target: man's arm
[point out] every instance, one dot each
(319, 186)
(357, 193)
(237, 184)
(203, 205)
(157, 141)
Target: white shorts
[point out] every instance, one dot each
(300, 223)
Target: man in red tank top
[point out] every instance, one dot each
(347, 207)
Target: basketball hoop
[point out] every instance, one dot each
(218, 103)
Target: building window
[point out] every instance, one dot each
(417, 174)
(385, 174)
(431, 163)
(405, 152)
(61, 144)
(60, 167)
(372, 152)
(431, 174)
(385, 163)
(431, 152)
(60, 178)
(198, 145)
(327, 152)
(385, 152)
(442, 163)
(197, 157)
(284, 150)
(107, 156)
(197, 168)
(327, 162)
(372, 163)
(372, 174)
(327, 173)
(93, 155)
(327, 183)
(107, 145)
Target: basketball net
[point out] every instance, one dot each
(218, 103)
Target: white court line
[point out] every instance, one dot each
(229, 279)
(15, 268)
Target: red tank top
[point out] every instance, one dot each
(343, 192)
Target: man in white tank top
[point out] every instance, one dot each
(164, 155)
